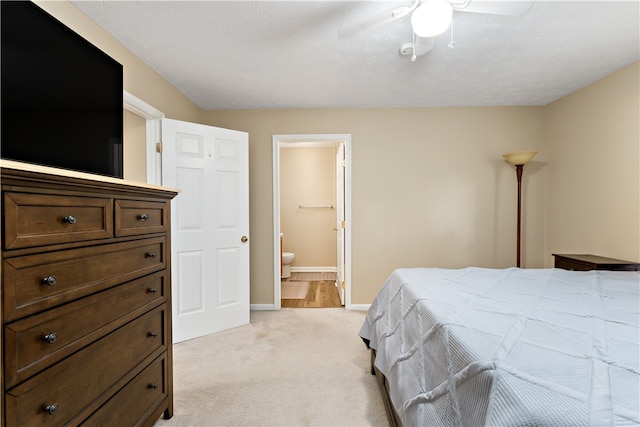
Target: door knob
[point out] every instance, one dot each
(244, 239)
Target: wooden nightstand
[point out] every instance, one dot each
(593, 262)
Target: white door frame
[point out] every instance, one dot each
(306, 138)
(340, 220)
(153, 118)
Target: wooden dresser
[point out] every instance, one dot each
(593, 262)
(86, 300)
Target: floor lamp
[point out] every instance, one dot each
(519, 159)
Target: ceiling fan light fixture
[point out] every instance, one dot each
(432, 18)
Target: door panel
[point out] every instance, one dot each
(190, 267)
(227, 292)
(189, 206)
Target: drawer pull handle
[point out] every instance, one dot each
(153, 334)
(51, 409)
(153, 291)
(49, 280)
(153, 386)
(143, 217)
(151, 255)
(70, 219)
(51, 338)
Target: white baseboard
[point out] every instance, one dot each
(262, 307)
(359, 307)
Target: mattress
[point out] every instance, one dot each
(504, 347)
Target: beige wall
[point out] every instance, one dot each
(593, 180)
(429, 187)
(308, 177)
(139, 80)
(135, 154)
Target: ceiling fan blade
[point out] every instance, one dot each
(507, 8)
(390, 16)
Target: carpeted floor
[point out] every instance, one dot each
(286, 368)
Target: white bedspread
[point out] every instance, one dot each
(509, 347)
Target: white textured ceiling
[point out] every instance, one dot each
(287, 54)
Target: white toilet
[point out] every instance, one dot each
(287, 259)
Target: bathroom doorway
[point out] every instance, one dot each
(339, 207)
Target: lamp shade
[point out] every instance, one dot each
(431, 18)
(519, 157)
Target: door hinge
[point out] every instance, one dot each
(158, 147)
(344, 285)
(344, 224)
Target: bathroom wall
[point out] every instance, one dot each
(307, 177)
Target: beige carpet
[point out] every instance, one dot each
(293, 367)
(293, 290)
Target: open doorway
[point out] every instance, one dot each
(340, 144)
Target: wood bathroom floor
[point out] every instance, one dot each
(321, 294)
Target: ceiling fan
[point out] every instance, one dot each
(430, 18)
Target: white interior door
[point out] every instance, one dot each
(340, 219)
(210, 226)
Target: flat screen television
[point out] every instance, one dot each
(61, 95)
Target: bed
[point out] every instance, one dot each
(504, 347)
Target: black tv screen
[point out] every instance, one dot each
(61, 95)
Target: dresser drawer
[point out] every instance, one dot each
(41, 219)
(37, 282)
(137, 400)
(86, 376)
(36, 342)
(134, 217)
